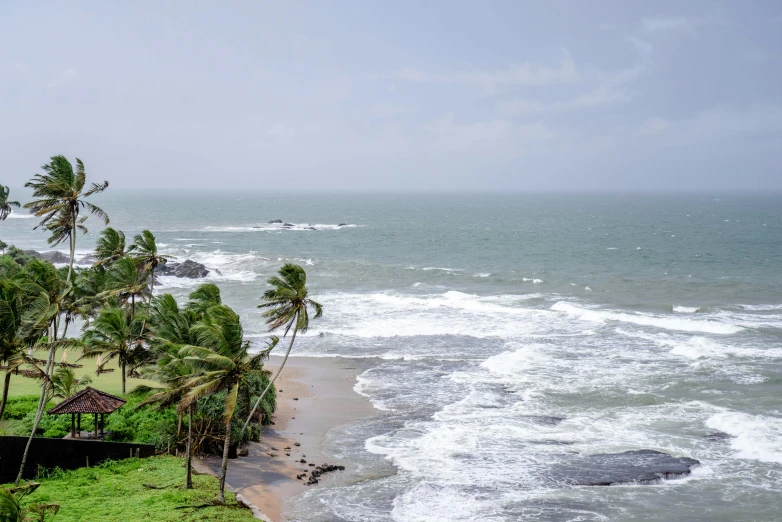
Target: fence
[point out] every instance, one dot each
(63, 453)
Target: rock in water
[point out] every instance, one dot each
(188, 268)
(630, 467)
(275, 222)
(55, 257)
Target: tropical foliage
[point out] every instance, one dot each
(210, 379)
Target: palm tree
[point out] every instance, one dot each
(62, 196)
(126, 281)
(117, 333)
(287, 304)
(65, 383)
(11, 509)
(110, 246)
(145, 253)
(220, 362)
(5, 205)
(44, 282)
(16, 337)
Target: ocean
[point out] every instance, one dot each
(507, 338)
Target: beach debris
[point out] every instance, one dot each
(287, 447)
(296, 444)
(295, 398)
(302, 461)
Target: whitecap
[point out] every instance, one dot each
(668, 323)
(757, 437)
(685, 309)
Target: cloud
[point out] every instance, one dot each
(515, 75)
(644, 48)
(64, 78)
(659, 24)
(600, 97)
(654, 126)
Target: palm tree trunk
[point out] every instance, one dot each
(73, 247)
(189, 456)
(41, 402)
(152, 283)
(224, 467)
(268, 386)
(6, 384)
(123, 364)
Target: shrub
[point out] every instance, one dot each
(19, 407)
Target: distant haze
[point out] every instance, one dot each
(370, 95)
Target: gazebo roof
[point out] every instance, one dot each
(89, 400)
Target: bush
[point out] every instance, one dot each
(147, 425)
(19, 407)
(50, 426)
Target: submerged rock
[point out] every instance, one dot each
(275, 221)
(718, 435)
(629, 467)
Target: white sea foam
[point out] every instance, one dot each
(668, 323)
(16, 215)
(699, 347)
(757, 437)
(761, 308)
(277, 227)
(482, 274)
(686, 309)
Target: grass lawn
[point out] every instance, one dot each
(114, 491)
(109, 382)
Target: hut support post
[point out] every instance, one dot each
(78, 423)
(73, 425)
(96, 425)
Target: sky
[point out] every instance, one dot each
(396, 95)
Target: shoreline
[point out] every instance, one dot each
(314, 395)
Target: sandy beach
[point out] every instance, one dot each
(314, 395)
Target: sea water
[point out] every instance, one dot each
(504, 336)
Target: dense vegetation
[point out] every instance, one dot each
(115, 492)
(202, 380)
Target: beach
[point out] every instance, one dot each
(314, 395)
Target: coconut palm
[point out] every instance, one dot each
(287, 304)
(144, 251)
(126, 281)
(5, 205)
(220, 362)
(44, 282)
(110, 246)
(61, 197)
(11, 509)
(65, 383)
(16, 337)
(117, 333)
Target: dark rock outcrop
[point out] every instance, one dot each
(287, 225)
(342, 225)
(629, 467)
(53, 256)
(275, 221)
(187, 268)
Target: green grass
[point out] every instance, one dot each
(109, 382)
(114, 491)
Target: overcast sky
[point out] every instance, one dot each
(366, 95)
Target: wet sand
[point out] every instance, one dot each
(314, 395)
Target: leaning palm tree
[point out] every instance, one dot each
(43, 281)
(220, 362)
(5, 205)
(61, 197)
(116, 333)
(287, 304)
(11, 509)
(144, 251)
(110, 246)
